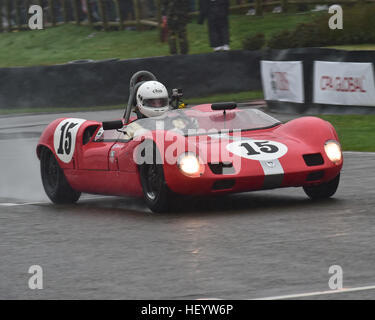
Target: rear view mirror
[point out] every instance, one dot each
(224, 106)
(112, 125)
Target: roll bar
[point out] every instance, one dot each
(135, 82)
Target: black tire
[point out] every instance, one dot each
(324, 190)
(55, 184)
(156, 193)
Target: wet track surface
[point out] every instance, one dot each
(252, 245)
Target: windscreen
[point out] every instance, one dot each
(191, 122)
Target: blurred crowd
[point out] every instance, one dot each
(125, 6)
(175, 13)
(148, 9)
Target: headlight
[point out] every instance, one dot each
(333, 151)
(189, 165)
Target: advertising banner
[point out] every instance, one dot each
(344, 83)
(282, 80)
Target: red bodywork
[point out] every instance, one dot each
(107, 167)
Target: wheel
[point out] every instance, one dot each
(324, 190)
(55, 184)
(156, 193)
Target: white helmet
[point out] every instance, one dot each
(152, 99)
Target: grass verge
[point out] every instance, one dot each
(356, 132)
(354, 47)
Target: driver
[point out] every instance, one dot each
(152, 101)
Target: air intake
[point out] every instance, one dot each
(222, 168)
(314, 159)
(314, 176)
(223, 184)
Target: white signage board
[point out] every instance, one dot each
(344, 83)
(282, 80)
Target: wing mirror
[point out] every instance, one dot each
(112, 125)
(224, 106)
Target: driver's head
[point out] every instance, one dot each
(152, 99)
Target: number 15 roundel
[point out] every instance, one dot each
(64, 138)
(261, 150)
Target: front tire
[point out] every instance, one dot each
(55, 184)
(324, 190)
(156, 193)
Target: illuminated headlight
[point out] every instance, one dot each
(189, 165)
(333, 151)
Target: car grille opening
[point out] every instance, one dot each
(222, 168)
(223, 184)
(316, 175)
(314, 159)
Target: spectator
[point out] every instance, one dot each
(192, 5)
(82, 10)
(57, 10)
(94, 9)
(149, 8)
(12, 21)
(177, 12)
(109, 9)
(127, 9)
(216, 11)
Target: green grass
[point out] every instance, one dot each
(70, 42)
(237, 97)
(355, 47)
(356, 132)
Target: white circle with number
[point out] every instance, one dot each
(64, 138)
(261, 150)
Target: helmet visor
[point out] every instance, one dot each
(156, 103)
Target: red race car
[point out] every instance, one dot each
(204, 150)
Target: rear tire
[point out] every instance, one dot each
(157, 195)
(55, 184)
(324, 190)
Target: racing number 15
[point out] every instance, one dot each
(263, 146)
(67, 136)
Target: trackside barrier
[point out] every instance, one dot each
(351, 83)
(100, 83)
